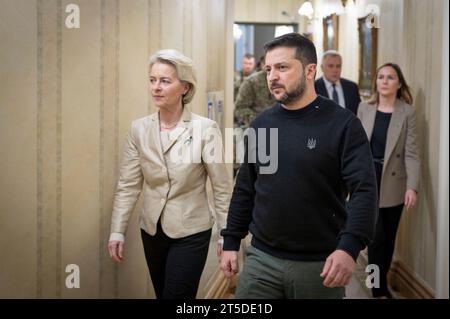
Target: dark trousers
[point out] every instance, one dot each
(175, 265)
(382, 248)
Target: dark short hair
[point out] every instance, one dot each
(248, 56)
(305, 50)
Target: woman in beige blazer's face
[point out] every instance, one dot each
(388, 82)
(166, 89)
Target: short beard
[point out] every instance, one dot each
(296, 94)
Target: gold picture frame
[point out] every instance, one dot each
(368, 56)
(330, 33)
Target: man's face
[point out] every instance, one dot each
(331, 68)
(248, 65)
(285, 77)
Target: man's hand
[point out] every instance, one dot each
(115, 248)
(229, 263)
(338, 269)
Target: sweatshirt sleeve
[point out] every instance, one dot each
(358, 174)
(241, 205)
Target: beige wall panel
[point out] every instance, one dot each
(154, 34)
(442, 267)
(200, 55)
(349, 42)
(229, 64)
(80, 151)
(215, 50)
(418, 232)
(431, 34)
(290, 6)
(109, 140)
(259, 9)
(18, 140)
(154, 16)
(171, 18)
(391, 44)
(266, 11)
(68, 106)
(188, 13)
(241, 10)
(48, 285)
(133, 89)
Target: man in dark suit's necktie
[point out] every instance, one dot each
(335, 94)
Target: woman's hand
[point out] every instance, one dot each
(115, 248)
(410, 198)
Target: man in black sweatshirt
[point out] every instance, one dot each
(306, 237)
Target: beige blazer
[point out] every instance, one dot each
(173, 180)
(402, 155)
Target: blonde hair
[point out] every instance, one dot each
(184, 67)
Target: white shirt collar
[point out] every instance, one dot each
(329, 85)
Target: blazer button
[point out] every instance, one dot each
(162, 200)
(398, 155)
(393, 173)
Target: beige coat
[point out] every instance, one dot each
(401, 167)
(173, 186)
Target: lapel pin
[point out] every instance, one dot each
(188, 140)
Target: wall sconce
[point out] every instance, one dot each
(306, 10)
(329, 7)
(336, 7)
(344, 2)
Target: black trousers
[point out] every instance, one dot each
(382, 248)
(175, 265)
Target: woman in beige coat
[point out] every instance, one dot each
(390, 124)
(168, 156)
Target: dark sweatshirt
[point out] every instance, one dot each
(300, 212)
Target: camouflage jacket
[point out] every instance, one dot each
(239, 78)
(253, 98)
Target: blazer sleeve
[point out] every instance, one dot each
(129, 186)
(412, 152)
(213, 160)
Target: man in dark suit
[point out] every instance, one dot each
(331, 85)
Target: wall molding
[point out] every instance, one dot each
(220, 287)
(403, 280)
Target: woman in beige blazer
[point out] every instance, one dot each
(168, 156)
(390, 123)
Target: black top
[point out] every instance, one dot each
(379, 135)
(299, 211)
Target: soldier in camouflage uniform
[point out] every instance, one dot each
(248, 68)
(253, 98)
